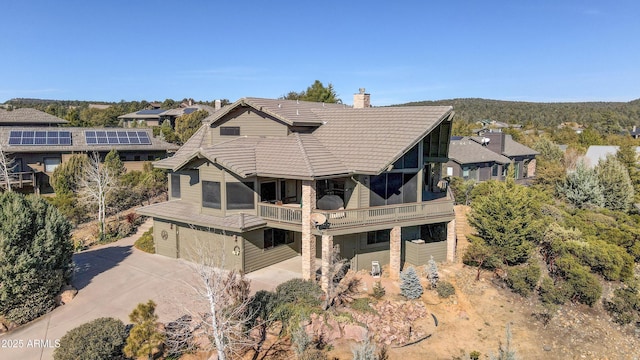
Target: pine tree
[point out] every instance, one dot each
(35, 259)
(410, 286)
(582, 188)
(432, 273)
(616, 184)
(507, 218)
(144, 338)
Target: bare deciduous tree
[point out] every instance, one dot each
(225, 294)
(96, 184)
(7, 164)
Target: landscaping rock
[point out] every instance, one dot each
(355, 332)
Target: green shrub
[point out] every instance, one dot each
(624, 307)
(35, 256)
(445, 289)
(552, 293)
(410, 286)
(293, 301)
(582, 285)
(523, 279)
(362, 305)
(145, 242)
(378, 290)
(102, 338)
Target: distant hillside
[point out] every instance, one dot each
(626, 114)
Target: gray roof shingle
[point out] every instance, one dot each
(28, 116)
(468, 151)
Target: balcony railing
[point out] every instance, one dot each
(338, 219)
(350, 218)
(19, 179)
(281, 213)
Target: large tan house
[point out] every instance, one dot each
(268, 180)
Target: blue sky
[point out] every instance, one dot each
(544, 51)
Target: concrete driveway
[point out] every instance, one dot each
(111, 280)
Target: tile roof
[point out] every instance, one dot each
(514, 148)
(468, 151)
(24, 116)
(79, 143)
(179, 210)
(345, 140)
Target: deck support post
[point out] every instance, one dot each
(395, 248)
(308, 239)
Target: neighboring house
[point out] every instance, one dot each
(595, 153)
(155, 117)
(266, 180)
(37, 151)
(28, 117)
(487, 157)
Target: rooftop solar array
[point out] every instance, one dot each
(109, 137)
(189, 110)
(44, 138)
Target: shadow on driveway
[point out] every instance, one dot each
(89, 264)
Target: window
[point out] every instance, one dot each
(494, 170)
(240, 195)
(136, 158)
(449, 171)
(525, 169)
(409, 160)
(50, 164)
(150, 158)
(277, 237)
(211, 194)
(393, 188)
(175, 186)
(378, 237)
(229, 130)
(465, 173)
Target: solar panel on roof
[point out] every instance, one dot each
(20, 137)
(100, 137)
(189, 110)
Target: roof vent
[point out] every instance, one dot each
(279, 106)
(297, 112)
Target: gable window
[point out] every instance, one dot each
(277, 237)
(175, 186)
(240, 195)
(229, 131)
(211, 194)
(378, 237)
(409, 160)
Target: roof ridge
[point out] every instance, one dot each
(304, 153)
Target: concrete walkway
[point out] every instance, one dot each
(111, 280)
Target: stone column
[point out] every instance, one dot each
(327, 251)
(308, 239)
(451, 241)
(395, 252)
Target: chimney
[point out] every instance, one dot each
(361, 99)
(190, 102)
(217, 104)
(496, 141)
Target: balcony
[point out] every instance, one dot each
(287, 213)
(352, 220)
(19, 179)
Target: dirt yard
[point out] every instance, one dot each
(476, 318)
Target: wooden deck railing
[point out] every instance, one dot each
(337, 219)
(19, 179)
(281, 213)
(347, 218)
